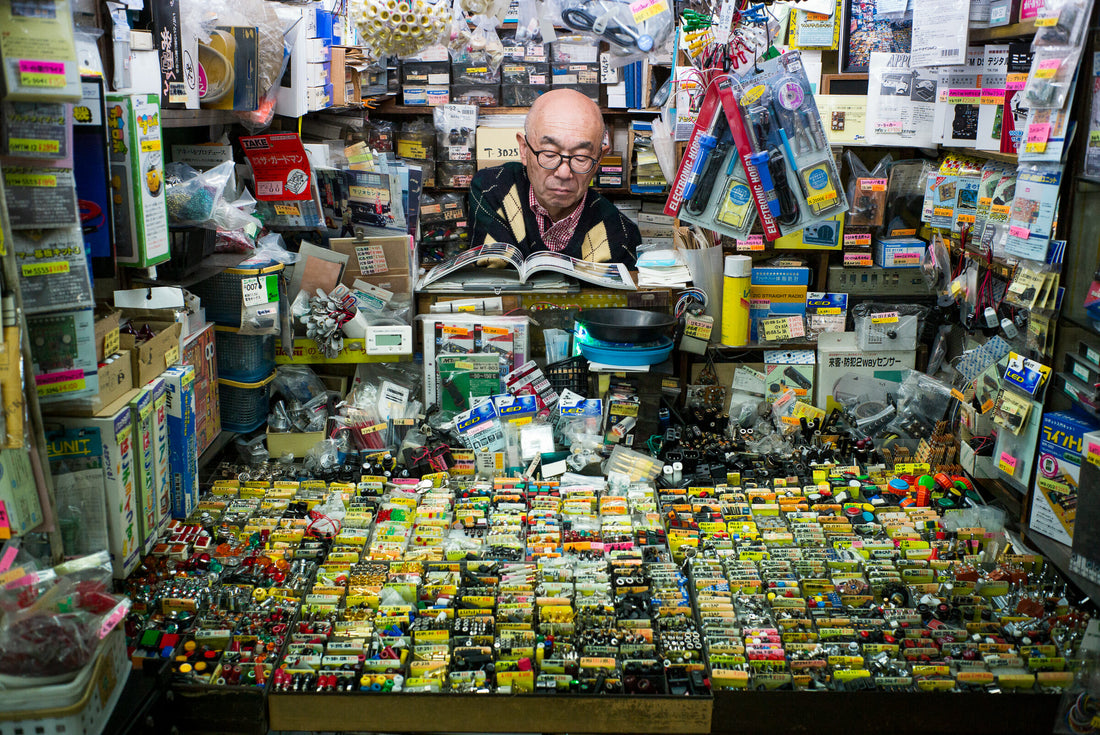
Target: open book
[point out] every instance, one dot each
(608, 275)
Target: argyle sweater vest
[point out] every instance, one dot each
(500, 212)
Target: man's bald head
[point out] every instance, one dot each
(562, 121)
(565, 107)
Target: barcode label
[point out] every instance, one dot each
(946, 52)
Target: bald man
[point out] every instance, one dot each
(544, 202)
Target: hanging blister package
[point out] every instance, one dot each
(777, 129)
(721, 203)
(1058, 44)
(480, 428)
(1034, 209)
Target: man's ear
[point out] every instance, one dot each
(522, 148)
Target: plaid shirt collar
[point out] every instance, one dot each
(555, 235)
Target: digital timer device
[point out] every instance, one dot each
(389, 340)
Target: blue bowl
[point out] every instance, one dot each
(628, 355)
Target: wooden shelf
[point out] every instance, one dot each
(490, 713)
(992, 155)
(390, 107)
(196, 118)
(1002, 33)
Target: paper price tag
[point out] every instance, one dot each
(958, 395)
(110, 343)
(872, 184)
(1047, 21)
(41, 73)
(858, 260)
(372, 259)
(782, 328)
(857, 239)
(886, 317)
(171, 356)
(5, 523)
(8, 559)
(1006, 463)
(33, 146)
(1037, 136)
(260, 290)
(753, 243)
(1017, 231)
(45, 269)
(1047, 69)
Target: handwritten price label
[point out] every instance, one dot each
(753, 243)
(171, 356)
(5, 523)
(1006, 463)
(41, 73)
(110, 343)
(886, 317)
(1017, 231)
(34, 146)
(1037, 136)
(45, 269)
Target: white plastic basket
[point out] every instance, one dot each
(80, 707)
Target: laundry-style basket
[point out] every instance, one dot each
(243, 357)
(244, 404)
(80, 707)
(222, 295)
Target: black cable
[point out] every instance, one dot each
(788, 204)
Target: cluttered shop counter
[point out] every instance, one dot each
(869, 599)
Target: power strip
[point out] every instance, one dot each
(877, 280)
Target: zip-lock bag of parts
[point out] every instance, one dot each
(883, 327)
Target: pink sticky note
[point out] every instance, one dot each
(8, 559)
(1018, 231)
(1038, 133)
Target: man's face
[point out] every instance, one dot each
(560, 189)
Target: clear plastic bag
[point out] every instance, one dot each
(390, 28)
(192, 196)
(616, 23)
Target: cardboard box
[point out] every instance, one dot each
(137, 178)
(150, 358)
(899, 252)
(296, 443)
(1062, 448)
(421, 73)
(20, 506)
(382, 261)
(104, 326)
(183, 456)
(117, 436)
(141, 416)
(115, 381)
(497, 145)
(199, 352)
(162, 470)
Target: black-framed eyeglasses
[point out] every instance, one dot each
(551, 160)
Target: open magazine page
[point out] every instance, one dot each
(609, 275)
(473, 256)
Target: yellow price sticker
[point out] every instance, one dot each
(110, 342)
(171, 356)
(45, 269)
(1048, 22)
(47, 181)
(36, 79)
(150, 146)
(287, 210)
(33, 145)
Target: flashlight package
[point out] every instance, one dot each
(722, 200)
(782, 144)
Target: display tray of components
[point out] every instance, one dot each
(852, 579)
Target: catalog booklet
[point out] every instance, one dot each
(608, 275)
